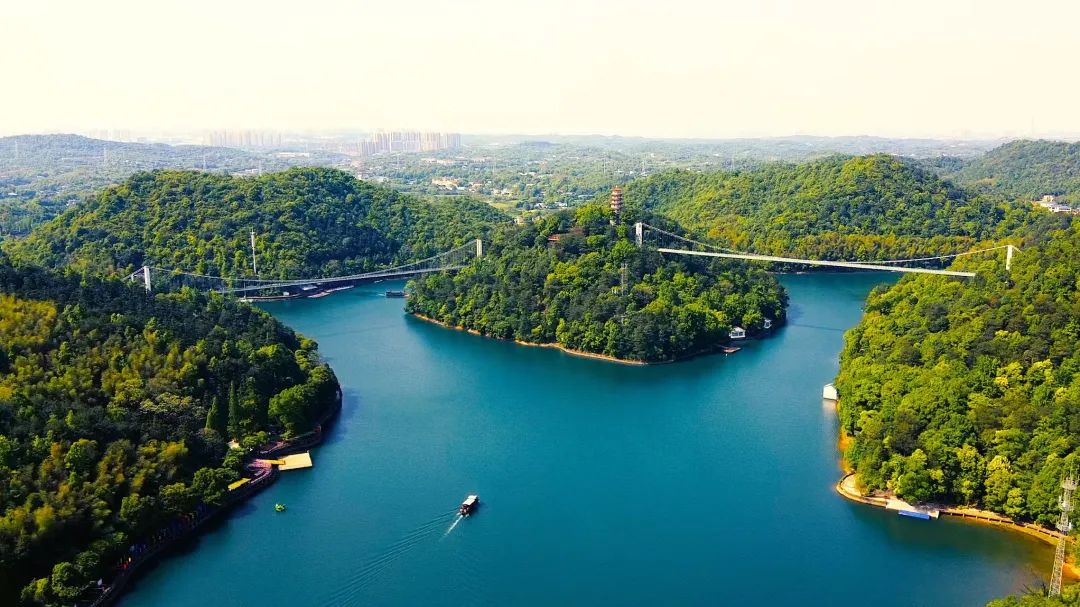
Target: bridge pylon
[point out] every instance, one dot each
(639, 233)
(144, 274)
(479, 248)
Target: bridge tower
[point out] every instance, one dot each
(639, 233)
(1068, 485)
(479, 248)
(1008, 257)
(146, 277)
(254, 268)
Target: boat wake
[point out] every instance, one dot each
(452, 525)
(347, 593)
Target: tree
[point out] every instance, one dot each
(289, 407)
(998, 482)
(217, 418)
(81, 456)
(210, 484)
(236, 414)
(915, 483)
(177, 498)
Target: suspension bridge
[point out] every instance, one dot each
(658, 237)
(454, 259)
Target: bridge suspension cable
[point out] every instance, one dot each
(453, 259)
(878, 265)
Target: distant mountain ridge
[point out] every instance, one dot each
(1028, 170)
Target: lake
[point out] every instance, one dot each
(705, 482)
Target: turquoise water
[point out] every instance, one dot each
(701, 483)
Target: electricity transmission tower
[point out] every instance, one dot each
(1068, 485)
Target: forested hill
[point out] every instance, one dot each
(40, 175)
(560, 282)
(308, 222)
(867, 207)
(115, 409)
(1027, 170)
(968, 392)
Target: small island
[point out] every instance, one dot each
(578, 282)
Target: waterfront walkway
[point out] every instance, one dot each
(848, 488)
(186, 526)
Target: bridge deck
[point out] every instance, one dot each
(818, 262)
(334, 280)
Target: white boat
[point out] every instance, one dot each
(469, 505)
(829, 392)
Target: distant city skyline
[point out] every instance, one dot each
(948, 69)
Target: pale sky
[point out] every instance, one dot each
(674, 68)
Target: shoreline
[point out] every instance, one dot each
(564, 349)
(114, 591)
(554, 346)
(847, 489)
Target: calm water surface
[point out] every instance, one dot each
(702, 483)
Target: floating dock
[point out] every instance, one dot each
(290, 462)
(296, 462)
(237, 484)
(905, 509)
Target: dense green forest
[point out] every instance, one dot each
(863, 208)
(308, 222)
(1070, 596)
(968, 392)
(115, 410)
(569, 292)
(1027, 170)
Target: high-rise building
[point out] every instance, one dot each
(408, 141)
(244, 139)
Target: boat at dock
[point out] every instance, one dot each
(829, 392)
(395, 293)
(921, 512)
(915, 514)
(469, 505)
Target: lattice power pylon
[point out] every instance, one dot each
(1068, 485)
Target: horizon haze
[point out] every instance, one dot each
(686, 69)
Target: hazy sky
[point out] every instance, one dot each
(658, 68)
